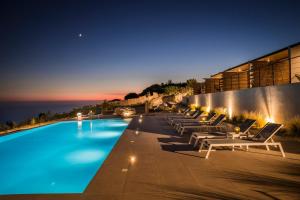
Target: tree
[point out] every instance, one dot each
(104, 106)
(131, 95)
(3, 127)
(153, 88)
(194, 85)
(11, 124)
(33, 121)
(42, 117)
(170, 90)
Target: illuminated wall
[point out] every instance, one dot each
(295, 64)
(279, 102)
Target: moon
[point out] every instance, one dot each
(80, 35)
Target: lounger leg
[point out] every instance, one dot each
(268, 149)
(273, 142)
(232, 147)
(182, 130)
(178, 128)
(208, 152)
(196, 142)
(201, 146)
(178, 131)
(247, 147)
(281, 150)
(191, 139)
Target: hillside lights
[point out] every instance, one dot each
(79, 116)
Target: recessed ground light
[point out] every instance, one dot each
(124, 170)
(132, 159)
(137, 132)
(141, 116)
(132, 141)
(140, 120)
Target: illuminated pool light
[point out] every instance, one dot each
(79, 124)
(103, 134)
(117, 124)
(85, 156)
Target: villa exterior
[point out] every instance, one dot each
(277, 68)
(268, 86)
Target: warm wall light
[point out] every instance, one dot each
(140, 120)
(196, 101)
(270, 119)
(208, 103)
(208, 109)
(230, 103)
(230, 112)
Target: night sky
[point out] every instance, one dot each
(128, 45)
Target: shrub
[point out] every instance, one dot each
(3, 127)
(237, 119)
(220, 110)
(194, 107)
(131, 95)
(260, 119)
(292, 126)
(32, 121)
(11, 124)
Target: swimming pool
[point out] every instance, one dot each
(58, 158)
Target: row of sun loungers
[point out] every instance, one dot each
(212, 134)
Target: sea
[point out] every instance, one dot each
(20, 111)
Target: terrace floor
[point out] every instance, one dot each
(167, 168)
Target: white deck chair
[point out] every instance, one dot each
(262, 138)
(216, 133)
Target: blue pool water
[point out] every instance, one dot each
(58, 158)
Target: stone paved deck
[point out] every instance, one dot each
(167, 168)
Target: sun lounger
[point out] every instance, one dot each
(219, 133)
(193, 115)
(208, 119)
(196, 125)
(196, 118)
(262, 138)
(179, 114)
